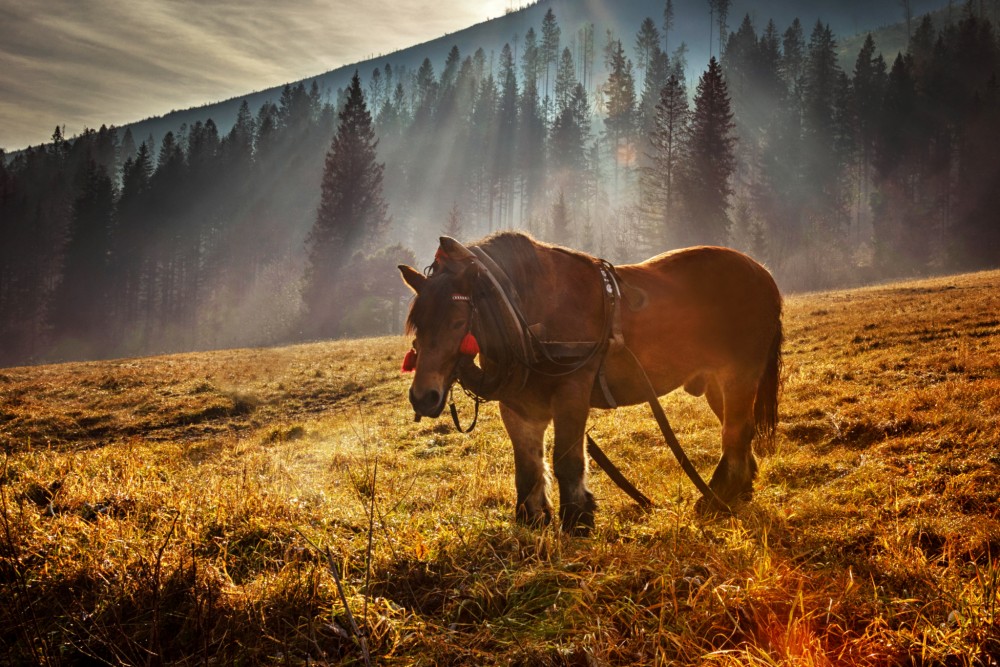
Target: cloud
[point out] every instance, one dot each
(81, 63)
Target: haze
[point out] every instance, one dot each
(83, 63)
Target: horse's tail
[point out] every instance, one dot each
(765, 405)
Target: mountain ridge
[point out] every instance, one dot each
(691, 22)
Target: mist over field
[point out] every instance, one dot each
(835, 155)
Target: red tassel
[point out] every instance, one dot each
(409, 362)
(469, 346)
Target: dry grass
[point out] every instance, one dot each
(161, 511)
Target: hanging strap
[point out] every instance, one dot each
(454, 412)
(671, 440)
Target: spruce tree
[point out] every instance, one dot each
(568, 141)
(507, 125)
(647, 40)
(352, 213)
(662, 227)
(709, 160)
(668, 24)
(81, 304)
(620, 121)
(565, 80)
(822, 114)
(550, 52)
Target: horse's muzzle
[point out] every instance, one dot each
(431, 404)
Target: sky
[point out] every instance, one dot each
(84, 63)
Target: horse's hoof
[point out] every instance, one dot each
(536, 518)
(712, 507)
(578, 518)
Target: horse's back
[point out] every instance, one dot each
(728, 276)
(705, 309)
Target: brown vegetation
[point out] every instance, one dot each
(164, 510)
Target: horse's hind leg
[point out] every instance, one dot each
(733, 477)
(527, 434)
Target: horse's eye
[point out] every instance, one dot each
(460, 324)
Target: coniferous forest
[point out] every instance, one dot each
(288, 226)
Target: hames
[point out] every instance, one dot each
(559, 332)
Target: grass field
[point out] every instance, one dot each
(179, 510)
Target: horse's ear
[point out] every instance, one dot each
(454, 253)
(412, 277)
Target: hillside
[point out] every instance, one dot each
(847, 19)
(167, 508)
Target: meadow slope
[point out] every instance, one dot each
(173, 509)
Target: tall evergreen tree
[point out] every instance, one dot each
(709, 160)
(507, 125)
(565, 80)
(824, 166)
(647, 41)
(568, 142)
(668, 24)
(81, 303)
(663, 227)
(620, 121)
(869, 89)
(352, 214)
(550, 52)
(657, 75)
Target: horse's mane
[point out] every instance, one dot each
(514, 252)
(517, 255)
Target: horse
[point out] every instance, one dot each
(553, 342)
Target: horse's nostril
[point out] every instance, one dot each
(432, 399)
(428, 404)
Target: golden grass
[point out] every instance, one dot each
(163, 510)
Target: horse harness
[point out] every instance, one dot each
(557, 358)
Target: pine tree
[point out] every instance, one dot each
(561, 221)
(531, 59)
(483, 146)
(793, 49)
(132, 234)
(565, 80)
(668, 24)
(568, 141)
(659, 183)
(657, 75)
(721, 15)
(81, 304)
(531, 147)
(454, 227)
(824, 165)
(647, 40)
(709, 160)
(620, 121)
(869, 88)
(507, 126)
(352, 214)
(549, 52)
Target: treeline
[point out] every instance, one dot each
(600, 142)
(110, 248)
(886, 170)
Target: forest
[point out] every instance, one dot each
(288, 226)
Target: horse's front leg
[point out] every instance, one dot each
(571, 407)
(527, 434)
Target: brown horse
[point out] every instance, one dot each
(707, 319)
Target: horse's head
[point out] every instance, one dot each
(441, 320)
